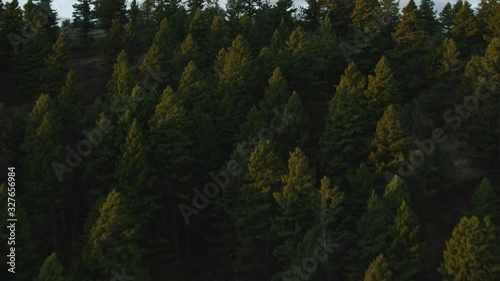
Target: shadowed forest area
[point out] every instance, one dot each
(345, 140)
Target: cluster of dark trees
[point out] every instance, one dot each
(344, 140)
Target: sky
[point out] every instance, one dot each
(65, 7)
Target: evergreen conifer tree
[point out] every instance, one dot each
(51, 270)
(379, 270)
(472, 251)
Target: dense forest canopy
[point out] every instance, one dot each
(182, 140)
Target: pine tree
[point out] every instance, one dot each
(113, 42)
(361, 183)
(56, 66)
(312, 14)
(190, 51)
(483, 125)
(98, 167)
(48, 18)
(374, 232)
(28, 65)
(472, 251)
(412, 47)
(134, 175)
(390, 143)
(172, 159)
(275, 55)
(51, 270)
(130, 40)
(484, 201)
(68, 102)
(134, 12)
(198, 29)
(235, 71)
(449, 74)
(344, 138)
(10, 43)
(216, 38)
(491, 23)
(450, 62)
(466, 31)
(254, 218)
(405, 250)
(379, 270)
(426, 17)
(165, 40)
(169, 138)
(330, 211)
(446, 18)
(284, 10)
(296, 131)
(107, 10)
(296, 201)
(82, 18)
(194, 95)
(363, 16)
(299, 56)
(340, 12)
(276, 94)
(381, 91)
(326, 54)
(253, 126)
(42, 106)
(389, 13)
(194, 5)
(119, 88)
(42, 146)
(111, 245)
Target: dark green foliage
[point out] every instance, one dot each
(82, 18)
(472, 251)
(390, 142)
(483, 72)
(106, 11)
(405, 251)
(375, 230)
(254, 218)
(446, 17)
(363, 15)
(381, 91)
(296, 129)
(296, 202)
(426, 17)
(157, 139)
(344, 139)
(56, 68)
(111, 245)
(485, 201)
(51, 270)
(170, 142)
(379, 270)
(235, 70)
(134, 175)
(466, 32)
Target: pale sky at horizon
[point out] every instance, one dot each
(65, 7)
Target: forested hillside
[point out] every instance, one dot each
(166, 140)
